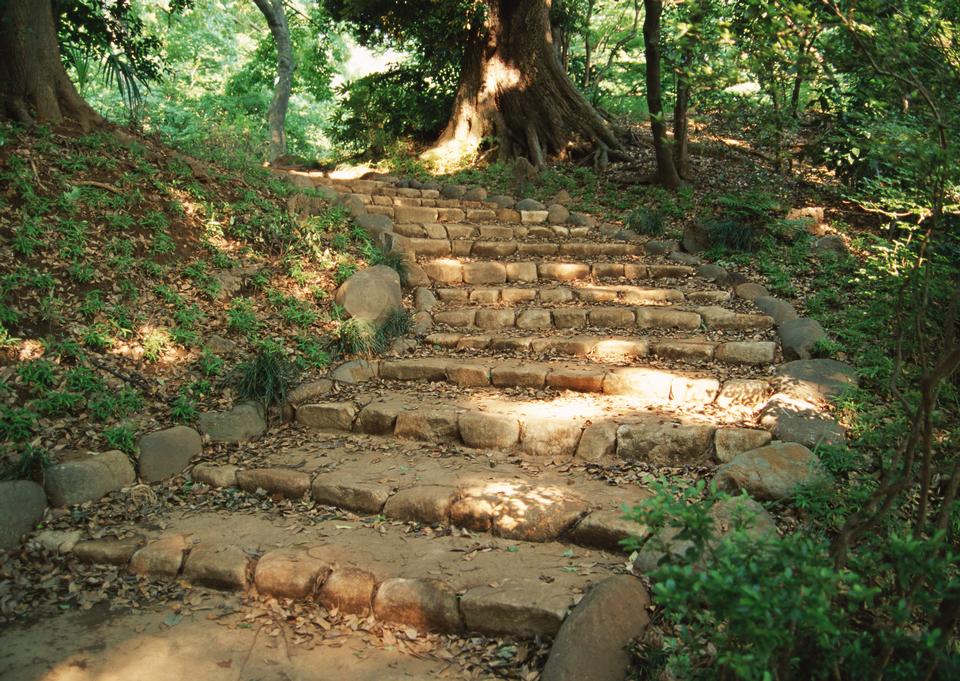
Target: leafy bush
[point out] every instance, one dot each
(645, 221)
(122, 437)
(242, 318)
(356, 337)
(16, 423)
(58, 403)
(38, 374)
(756, 607)
(377, 109)
(183, 409)
(730, 235)
(266, 377)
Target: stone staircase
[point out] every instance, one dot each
(464, 481)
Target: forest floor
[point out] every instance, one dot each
(136, 280)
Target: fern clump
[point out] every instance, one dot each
(266, 377)
(646, 222)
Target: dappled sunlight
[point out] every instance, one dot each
(517, 506)
(562, 408)
(452, 154)
(350, 172)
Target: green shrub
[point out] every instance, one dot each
(30, 464)
(266, 377)
(645, 221)
(17, 423)
(122, 437)
(378, 109)
(83, 380)
(759, 608)
(730, 235)
(38, 374)
(397, 324)
(209, 364)
(356, 337)
(242, 318)
(183, 409)
(395, 260)
(344, 271)
(313, 354)
(58, 403)
(120, 404)
(155, 343)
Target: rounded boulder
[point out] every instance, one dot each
(371, 294)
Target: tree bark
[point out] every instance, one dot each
(666, 174)
(681, 118)
(587, 47)
(681, 126)
(34, 85)
(273, 12)
(513, 87)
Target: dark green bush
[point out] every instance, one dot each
(380, 108)
(730, 235)
(266, 377)
(743, 607)
(645, 221)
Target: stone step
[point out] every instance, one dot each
(647, 318)
(550, 295)
(498, 497)
(470, 248)
(615, 349)
(456, 271)
(588, 427)
(651, 386)
(495, 233)
(458, 584)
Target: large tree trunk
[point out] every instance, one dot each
(277, 115)
(34, 86)
(513, 87)
(666, 170)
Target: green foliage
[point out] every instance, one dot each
(266, 377)
(83, 380)
(313, 353)
(242, 318)
(17, 423)
(769, 606)
(395, 260)
(155, 343)
(356, 337)
(293, 310)
(209, 364)
(115, 405)
(122, 436)
(183, 409)
(30, 464)
(646, 222)
(730, 235)
(59, 403)
(345, 270)
(378, 109)
(397, 324)
(38, 374)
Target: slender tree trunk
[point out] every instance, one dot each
(681, 117)
(513, 87)
(34, 86)
(681, 144)
(798, 79)
(666, 170)
(587, 47)
(277, 115)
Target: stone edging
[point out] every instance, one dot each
(524, 608)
